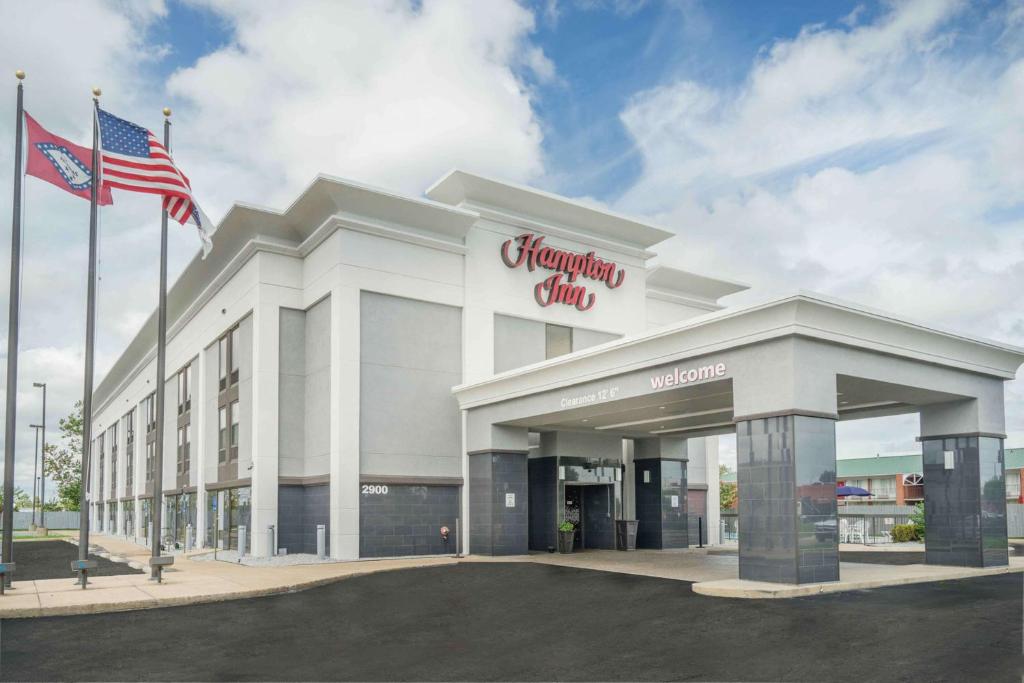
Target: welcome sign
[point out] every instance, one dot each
(561, 287)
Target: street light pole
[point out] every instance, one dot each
(35, 475)
(35, 483)
(42, 461)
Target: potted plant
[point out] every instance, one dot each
(566, 536)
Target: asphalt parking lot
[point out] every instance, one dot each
(52, 560)
(525, 621)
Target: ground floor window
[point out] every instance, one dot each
(179, 514)
(128, 508)
(147, 519)
(226, 511)
(112, 517)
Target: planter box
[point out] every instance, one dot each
(566, 539)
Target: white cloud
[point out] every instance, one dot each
(881, 162)
(392, 94)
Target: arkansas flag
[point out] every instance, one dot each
(61, 163)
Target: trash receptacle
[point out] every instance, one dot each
(625, 534)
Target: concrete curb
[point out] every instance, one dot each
(755, 590)
(178, 601)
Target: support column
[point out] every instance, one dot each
(786, 475)
(660, 473)
(965, 501)
(964, 482)
(498, 503)
(498, 488)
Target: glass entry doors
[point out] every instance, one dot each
(227, 510)
(573, 512)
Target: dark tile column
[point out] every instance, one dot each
(661, 503)
(498, 504)
(786, 482)
(964, 501)
(543, 477)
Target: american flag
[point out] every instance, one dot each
(133, 159)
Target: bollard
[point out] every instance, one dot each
(188, 537)
(241, 541)
(271, 550)
(321, 541)
(700, 532)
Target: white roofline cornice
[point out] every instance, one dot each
(564, 371)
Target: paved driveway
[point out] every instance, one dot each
(526, 621)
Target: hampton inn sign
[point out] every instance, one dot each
(561, 287)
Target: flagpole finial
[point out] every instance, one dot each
(96, 92)
(167, 112)
(19, 74)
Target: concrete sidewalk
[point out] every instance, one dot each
(715, 573)
(188, 582)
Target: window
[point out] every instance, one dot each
(222, 447)
(149, 406)
(883, 487)
(1013, 483)
(183, 451)
(185, 389)
(228, 353)
(228, 348)
(222, 362)
(99, 451)
(859, 483)
(150, 456)
(112, 435)
(233, 410)
(558, 340)
(129, 470)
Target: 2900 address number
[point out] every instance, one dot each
(375, 489)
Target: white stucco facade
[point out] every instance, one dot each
(497, 360)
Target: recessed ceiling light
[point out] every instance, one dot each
(586, 420)
(661, 407)
(843, 403)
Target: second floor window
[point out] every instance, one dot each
(183, 450)
(150, 457)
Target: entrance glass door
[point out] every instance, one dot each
(574, 512)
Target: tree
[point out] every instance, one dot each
(22, 501)
(64, 461)
(726, 489)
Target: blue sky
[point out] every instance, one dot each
(872, 151)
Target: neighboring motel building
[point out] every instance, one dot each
(496, 359)
(899, 479)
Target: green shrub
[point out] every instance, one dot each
(902, 533)
(566, 526)
(917, 520)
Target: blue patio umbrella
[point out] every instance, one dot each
(851, 491)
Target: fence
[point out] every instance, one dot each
(1015, 520)
(60, 519)
(869, 525)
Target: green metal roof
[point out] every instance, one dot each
(884, 465)
(1014, 458)
(879, 466)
